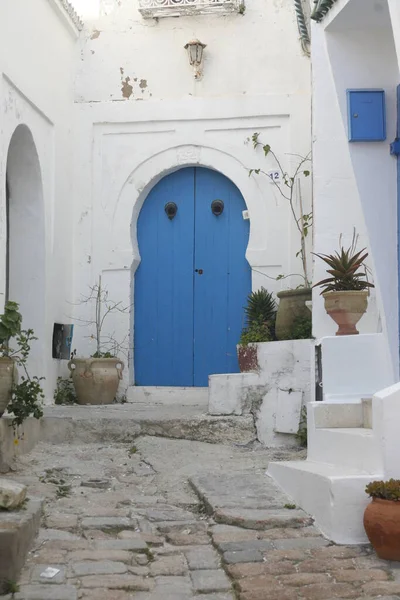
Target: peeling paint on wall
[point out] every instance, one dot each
(127, 88)
(143, 83)
(95, 34)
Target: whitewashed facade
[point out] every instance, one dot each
(106, 109)
(353, 440)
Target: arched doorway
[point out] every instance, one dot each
(25, 261)
(193, 279)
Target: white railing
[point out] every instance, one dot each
(168, 8)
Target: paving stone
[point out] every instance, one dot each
(316, 565)
(380, 588)
(262, 519)
(133, 545)
(182, 526)
(215, 597)
(99, 567)
(338, 552)
(35, 576)
(46, 556)
(142, 559)
(252, 569)
(56, 534)
(305, 543)
(277, 555)
(357, 575)
(273, 594)
(169, 565)
(107, 595)
(246, 556)
(202, 557)
(68, 545)
(138, 570)
(261, 545)
(150, 539)
(117, 582)
(47, 592)
(170, 585)
(167, 513)
(299, 579)
(288, 532)
(260, 582)
(195, 539)
(106, 523)
(329, 590)
(210, 581)
(61, 521)
(101, 555)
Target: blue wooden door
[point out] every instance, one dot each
(193, 279)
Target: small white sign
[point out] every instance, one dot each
(49, 573)
(274, 176)
(245, 215)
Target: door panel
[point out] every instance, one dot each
(221, 290)
(188, 322)
(163, 341)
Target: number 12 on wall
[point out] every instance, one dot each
(274, 176)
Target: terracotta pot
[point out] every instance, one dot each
(292, 304)
(382, 526)
(8, 374)
(346, 309)
(96, 380)
(247, 358)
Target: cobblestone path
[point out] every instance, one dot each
(123, 523)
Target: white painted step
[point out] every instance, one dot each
(333, 495)
(354, 447)
(184, 396)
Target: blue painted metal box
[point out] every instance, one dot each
(366, 115)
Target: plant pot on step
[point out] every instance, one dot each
(292, 306)
(96, 380)
(8, 376)
(247, 357)
(346, 308)
(382, 526)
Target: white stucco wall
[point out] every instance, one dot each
(37, 59)
(355, 184)
(124, 145)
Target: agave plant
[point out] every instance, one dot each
(347, 269)
(261, 308)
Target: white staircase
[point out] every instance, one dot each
(344, 455)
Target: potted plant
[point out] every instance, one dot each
(382, 518)
(96, 378)
(22, 399)
(260, 315)
(346, 290)
(10, 326)
(292, 302)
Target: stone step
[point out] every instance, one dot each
(333, 495)
(248, 501)
(18, 529)
(354, 447)
(167, 396)
(125, 422)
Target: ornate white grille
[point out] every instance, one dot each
(168, 8)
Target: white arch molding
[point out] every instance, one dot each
(134, 192)
(25, 258)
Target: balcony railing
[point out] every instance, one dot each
(176, 8)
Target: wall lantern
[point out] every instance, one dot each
(195, 50)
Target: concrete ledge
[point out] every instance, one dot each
(18, 529)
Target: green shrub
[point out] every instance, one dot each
(386, 490)
(255, 333)
(302, 328)
(261, 308)
(64, 392)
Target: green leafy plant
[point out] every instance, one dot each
(257, 332)
(301, 328)
(291, 192)
(65, 391)
(26, 400)
(386, 490)
(347, 270)
(10, 326)
(261, 307)
(290, 506)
